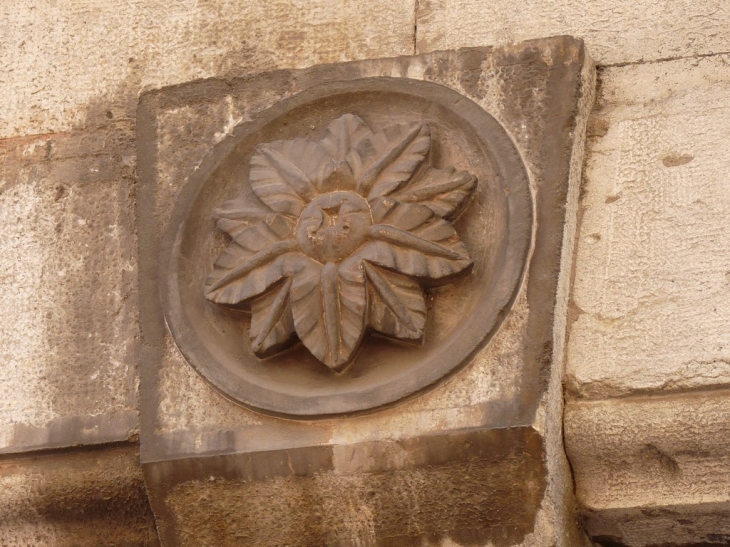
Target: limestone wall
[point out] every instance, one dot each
(648, 360)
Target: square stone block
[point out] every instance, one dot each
(68, 296)
(80, 498)
(372, 355)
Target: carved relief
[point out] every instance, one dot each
(346, 233)
(348, 246)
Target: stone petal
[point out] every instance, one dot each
(329, 305)
(396, 306)
(412, 240)
(285, 175)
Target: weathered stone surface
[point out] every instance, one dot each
(68, 338)
(651, 308)
(696, 525)
(346, 230)
(465, 308)
(540, 92)
(651, 300)
(81, 499)
(460, 486)
(653, 470)
(614, 32)
(71, 62)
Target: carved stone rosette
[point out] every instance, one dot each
(371, 272)
(342, 234)
(347, 247)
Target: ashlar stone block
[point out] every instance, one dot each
(651, 299)
(82, 498)
(68, 296)
(652, 470)
(351, 308)
(59, 78)
(648, 358)
(614, 32)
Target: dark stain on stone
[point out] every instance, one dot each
(546, 355)
(582, 189)
(608, 541)
(701, 544)
(88, 167)
(49, 149)
(611, 199)
(79, 174)
(600, 103)
(666, 461)
(551, 143)
(597, 127)
(61, 192)
(473, 487)
(666, 518)
(471, 72)
(89, 497)
(675, 160)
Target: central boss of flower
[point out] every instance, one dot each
(340, 237)
(334, 225)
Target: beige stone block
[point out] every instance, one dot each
(614, 32)
(67, 63)
(653, 470)
(68, 301)
(453, 465)
(83, 499)
(651, 297)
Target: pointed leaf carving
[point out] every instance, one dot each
(396, 306)
(240, 212)
(258, 257)
(325, 274)
(285, 175)
(328, 305)
(272, 323)
(342, 134)
(384, 161)
(444, 191)
(261, 234)
(412, 240)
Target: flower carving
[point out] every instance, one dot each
(344, 233)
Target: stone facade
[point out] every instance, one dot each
(481, 449)
(645, 307)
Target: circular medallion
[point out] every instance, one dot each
(347, 248)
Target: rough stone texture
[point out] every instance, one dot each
(696, 525)
(68, 339)
(190, 423)
(649, 355)
(82, 499)
(651, 299)
(653, 470)
(496, 228)
(659, 322)
(458, 486)
(614, 32)
(67, 56)
(73, 72)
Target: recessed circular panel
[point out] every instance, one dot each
(348, 247)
